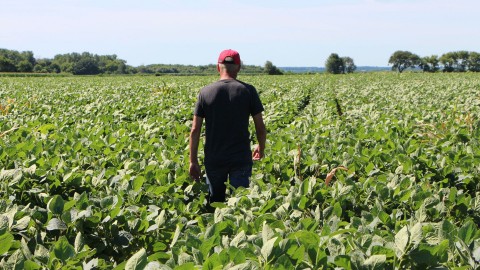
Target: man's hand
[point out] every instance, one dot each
(195, 171)
(257, 153)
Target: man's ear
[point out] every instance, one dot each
(218, 67)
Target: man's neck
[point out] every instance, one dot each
(226, 76)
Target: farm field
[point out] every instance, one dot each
(362, 171)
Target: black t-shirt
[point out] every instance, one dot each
(227, 106)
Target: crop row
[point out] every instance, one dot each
(365, 171)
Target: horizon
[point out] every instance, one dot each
(299, 34)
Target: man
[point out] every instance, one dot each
(226, 106)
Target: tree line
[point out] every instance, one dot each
(92, 64)
(75, 63)
(458, 61)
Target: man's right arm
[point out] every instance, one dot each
(261, 133)
(195, 171)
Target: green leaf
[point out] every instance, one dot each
(384, 217)
(306, 238)
(401, 241)
(213, 262)
(236, 255)
(238, 239)
(79, 242)
(441, 251)
(467, 231)
(158, 256)
(6, 241)
(186, 266)
(107, 202)
(298, 254)
(138, 261)
(337, 210)
(44, 129)
(31, 265)
(16, 261)
(138, 183)
(343, 261)
(268, 247)
(425, 255)
(41, 253)
(56, 204)
(267, 232)
(267, 206)
(207, 245)
(416, 234)
(3, 224)
(82, 202)
(447, 231)
(63, 250)
(376, 262)
(178, 230)
(26, 249)
(56, 224)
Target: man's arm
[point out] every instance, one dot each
(261, 132)
(195, 171)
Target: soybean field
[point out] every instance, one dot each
(361, 171)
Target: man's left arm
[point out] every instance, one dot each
(261, 133)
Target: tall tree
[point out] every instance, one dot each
(348, 64)
(474, 62)
(462, 60)
(401, 60)
(334, 64)
(7, 65)
(449, 61)
(24, 66)
(429, 63)
(86, 66)
(271, 69)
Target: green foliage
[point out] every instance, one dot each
(94, 174)
(13, 61)
(457, 61)
(270, 69)
(429, 63)
(335, 64)
(401, 60)
(339, 65)
(348, 64)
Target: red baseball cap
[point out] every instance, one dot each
(229, 57)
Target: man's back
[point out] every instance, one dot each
(226, 106)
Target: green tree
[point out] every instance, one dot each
(46, 66)
(334, 64)
(429, 63)
(13, 61)
(401, 60)
(348, 64)
(271, 69)
(28, 56)
(455, 61)
(24, 66)
(7, 65)
(474, 62)
(86, 66)
(449, 61)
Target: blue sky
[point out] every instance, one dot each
(287, 33)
